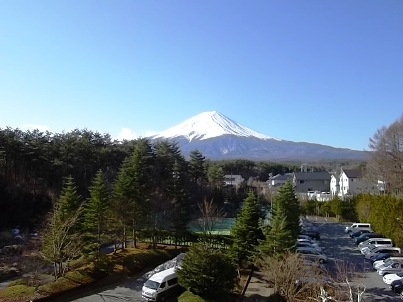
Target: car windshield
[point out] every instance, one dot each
(151, 284)
(388, 261)
(400, 274)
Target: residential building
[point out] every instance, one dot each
(304, 182)
(279, 179)
(334, 185)
(233, 180)
(352, 182)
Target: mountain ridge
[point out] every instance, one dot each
(219, 137)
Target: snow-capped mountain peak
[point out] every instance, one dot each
(208, 125)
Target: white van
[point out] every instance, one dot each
(358, 226)
(160, 285)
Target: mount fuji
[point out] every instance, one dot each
(218, 137)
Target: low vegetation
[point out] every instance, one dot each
(91, 271)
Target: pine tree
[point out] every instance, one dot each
(197, 167)
(247, 232)
(171, 172)
(97, 211)
(132, 190)
(287, 204)
(207, 272)
(278, 238)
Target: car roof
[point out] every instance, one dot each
(160, 276)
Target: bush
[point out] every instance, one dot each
(19, 290)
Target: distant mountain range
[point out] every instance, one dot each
(218, 137)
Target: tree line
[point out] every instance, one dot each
(34, 166)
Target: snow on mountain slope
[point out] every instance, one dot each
(209, 125)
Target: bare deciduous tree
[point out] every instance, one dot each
(210, 214)
(60, 244)
(299, 280)
(386, 159)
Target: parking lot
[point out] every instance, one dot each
(339, 246)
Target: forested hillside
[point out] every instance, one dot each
(34, 166)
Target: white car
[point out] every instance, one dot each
(389, 278)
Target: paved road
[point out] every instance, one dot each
(339, 246)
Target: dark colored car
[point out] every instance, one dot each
(397, 286)
(379, 256)
(366, 236)
(359, 233)
(314, 234)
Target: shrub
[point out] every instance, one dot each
(207, 272)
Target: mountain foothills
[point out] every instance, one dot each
(218, 137)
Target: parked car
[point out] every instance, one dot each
(374, 242)
(359, 232)
(389, 278)
(300, 236)
(312, 253)
(308, 245)
(378, 257)
(314, 234)
(367, 236)
(387, 261)
(357, 226)
(391, 268)
(397, 286)
(392, 250)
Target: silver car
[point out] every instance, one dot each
(394, 267)
(311, 253)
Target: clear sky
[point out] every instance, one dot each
(328, 72)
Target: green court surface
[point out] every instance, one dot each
(220, 226)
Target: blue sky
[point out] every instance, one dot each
(328, 72)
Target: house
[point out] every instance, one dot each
(279, 179)
(352, 182)
(334, 185)
(233, 180)
(305, 182)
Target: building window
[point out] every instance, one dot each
(301, 181)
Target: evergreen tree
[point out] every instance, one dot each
(172, 178)
(247, 232)
(181, 207)
(97, 211)
(215, 174)
(133, 188)
(278, 238)
(207, 272)
(197, 167)
(287, 204)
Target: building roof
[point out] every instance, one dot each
(286, 176)
(312, 175)
(353, 173)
